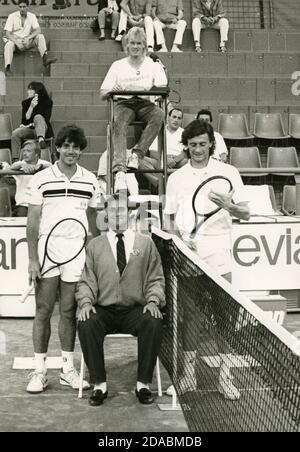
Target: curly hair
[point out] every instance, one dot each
(196, 128)
(73, 134)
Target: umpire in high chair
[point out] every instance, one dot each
(122, 290)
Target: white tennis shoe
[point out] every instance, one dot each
(38, 382)
(72, 380)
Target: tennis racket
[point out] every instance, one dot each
(68, 227)
(203, 207)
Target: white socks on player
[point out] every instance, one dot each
(140, 386)
(68, 361)
(102, 386)
(40, 362)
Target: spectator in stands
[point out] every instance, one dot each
(176, 157)
(64, 190)
(135, 72)
(209, 14)
(36, 114)
(108, 10)
(22, 31)
(137, 13)
(131, 182)
(122, 290)
(220, 151)
(168, 15)
(29, 164)
(212, 241)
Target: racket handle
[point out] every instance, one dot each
(25, 295)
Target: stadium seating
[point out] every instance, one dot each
(5, 155)
(269, 126)
(234, 126)
(289, 200)
(285, 157)
(5, 204)
(247, 157)
(5, 126)
(294, 126)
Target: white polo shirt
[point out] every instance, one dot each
(23, 181)
(180, 189)
(126, 77)
(173, 139)
(212, 242)
(14, 24)
(62, 198)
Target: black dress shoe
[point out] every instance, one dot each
(145, 396)
(97, 397)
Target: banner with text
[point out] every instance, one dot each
(266, 256)
(53, 7)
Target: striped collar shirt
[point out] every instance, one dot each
(61, 197)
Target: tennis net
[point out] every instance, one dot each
(233, 368)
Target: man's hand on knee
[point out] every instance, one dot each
(153, 309)
(85, 312)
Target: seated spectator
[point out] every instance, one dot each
(108, 10)
(209, 14)
(131, 182)
(136, 72)
(168, 15)
(122, 290)
(36, 114)
(221, 151)
(176, 156)
(137, 13)
(22, 31)
(29, 164)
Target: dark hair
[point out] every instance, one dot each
(175, 109)
(196, 128)
(73, 134)
(40, 89)
(204, 112)
(23, 1)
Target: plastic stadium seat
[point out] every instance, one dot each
(5, 204)
(187, 118)
(273, 198)
(5, 155)
(269, 126)
(246, 158)
(5, 126)
(261, 199)
(289, 200)
(282, 157)
(294, 129)
(234, 126)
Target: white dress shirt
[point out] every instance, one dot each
(128, 239)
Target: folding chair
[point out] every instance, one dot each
(82, 368)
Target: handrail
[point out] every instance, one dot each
(271, 170)
(156, 91)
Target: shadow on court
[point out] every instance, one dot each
(59, 409)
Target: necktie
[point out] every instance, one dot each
(121, 256)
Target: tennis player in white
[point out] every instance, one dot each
(212, 241)
(64, 190)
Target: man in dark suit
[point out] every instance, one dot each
(122, 290)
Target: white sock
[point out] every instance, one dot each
(140, 386)
(102, 386)
(40, 362)
(68, 361)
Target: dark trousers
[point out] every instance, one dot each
(117, 319)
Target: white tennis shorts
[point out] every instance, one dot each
(215, 251)
(60, 250)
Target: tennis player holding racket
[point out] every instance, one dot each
(202, 197)
(63, 191)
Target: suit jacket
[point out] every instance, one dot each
(44, 108)
(199, 9)
(142, 279)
